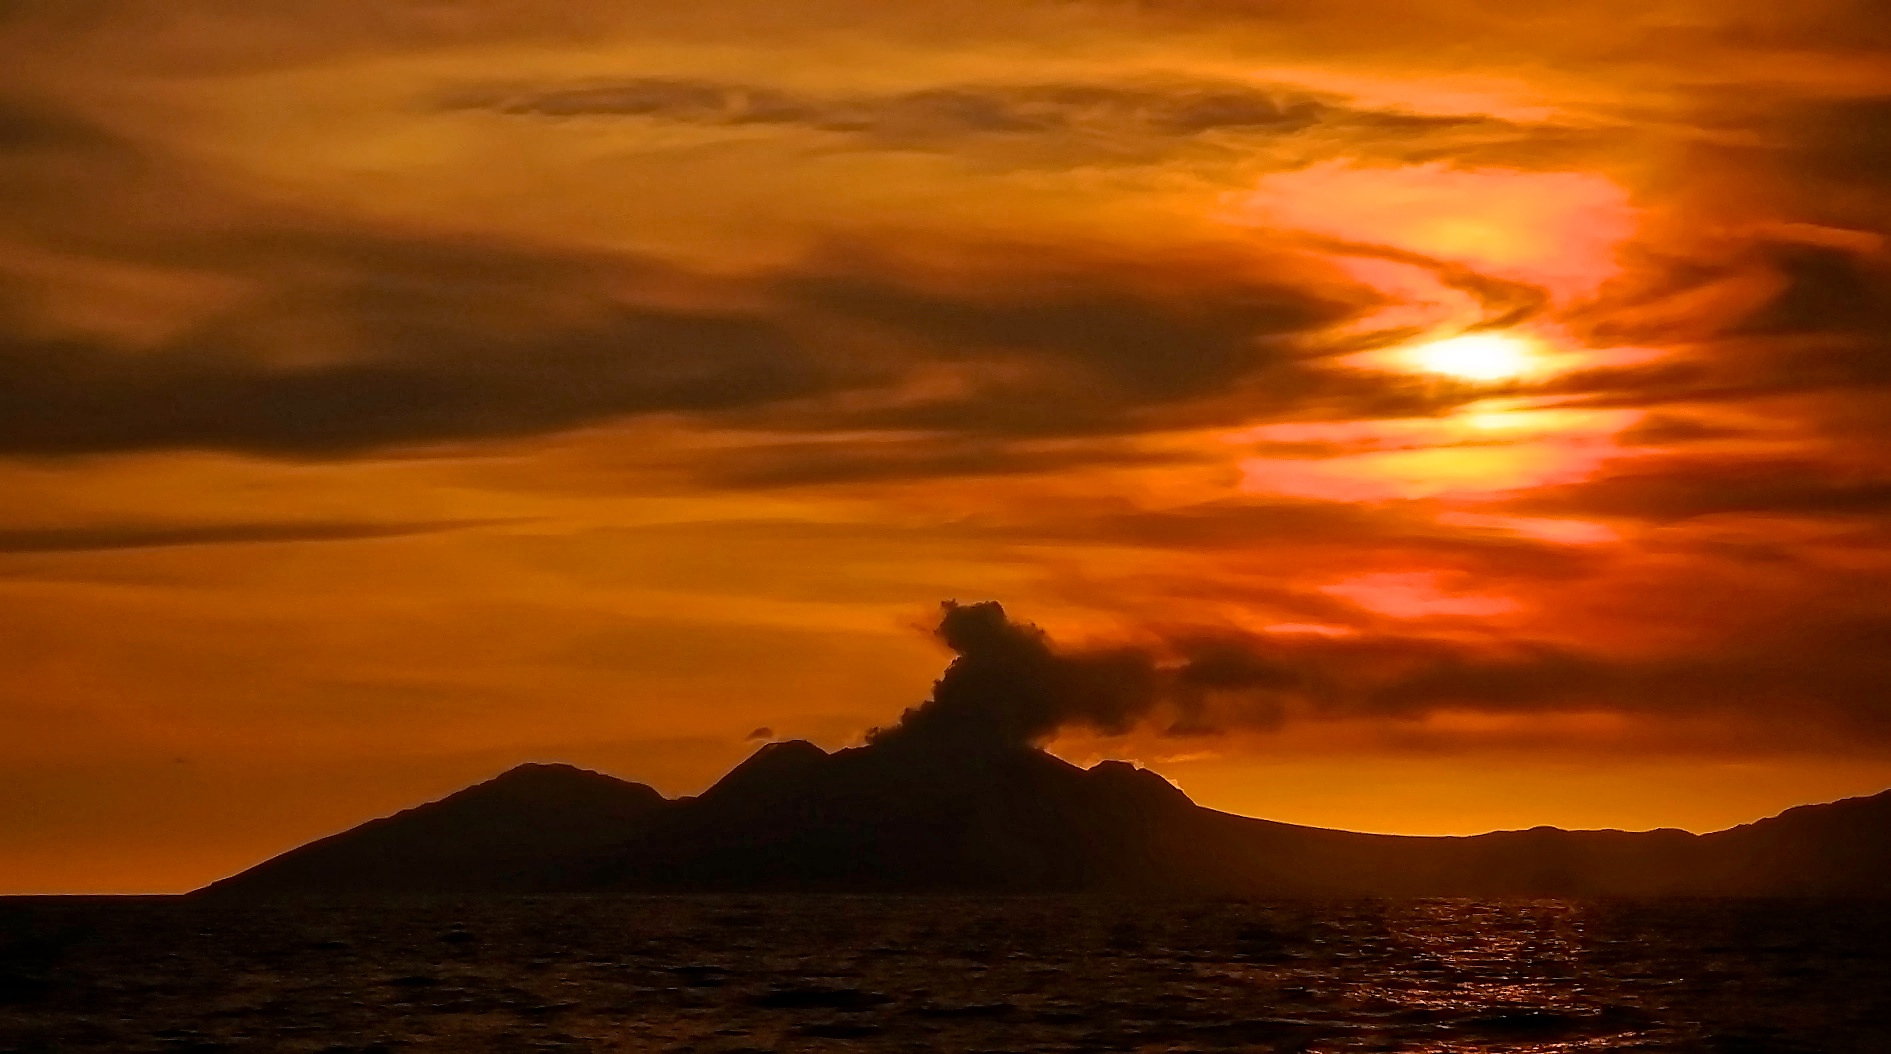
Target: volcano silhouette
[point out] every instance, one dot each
(895, 817)
(955, 797)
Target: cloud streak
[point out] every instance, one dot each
(114, 537)
(1137, 122)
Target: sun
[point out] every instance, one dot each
(1476, 356)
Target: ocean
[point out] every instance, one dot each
(745, 974)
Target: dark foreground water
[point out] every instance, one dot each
(696, 975)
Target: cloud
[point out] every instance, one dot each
(291, 332)
(1781, 329)
(1827, 144)
(324, 336)
(1680, 488)
(1132, 118)
(349, 341)
(819, 461)
(1234, 532)
(104, 538)
(28, 128)
(1058, 340)
(421, 370)
(1826, 289)
(300, 334)
(311, 335)
(1670, 429)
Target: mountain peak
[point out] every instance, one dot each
(556, 784)
(546, 772)
(1135, 779)
(772, 769)
(508, 832)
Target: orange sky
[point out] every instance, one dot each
(392, 392)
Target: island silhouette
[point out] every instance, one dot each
(958, 796)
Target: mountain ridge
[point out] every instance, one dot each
(900, 816)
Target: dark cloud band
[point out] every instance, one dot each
(106, 538)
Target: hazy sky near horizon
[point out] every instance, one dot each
(1479, 410)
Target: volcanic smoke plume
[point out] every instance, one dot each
(1010, 687)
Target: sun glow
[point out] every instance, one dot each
(1476, 356)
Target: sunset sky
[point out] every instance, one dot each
(1479, 410)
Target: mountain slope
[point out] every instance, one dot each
(512, 832)
(1839, 849)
